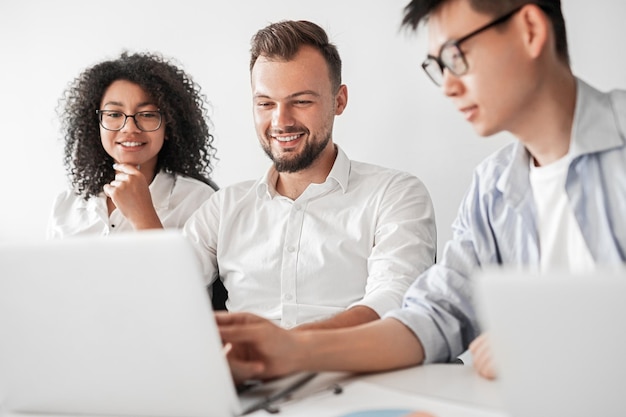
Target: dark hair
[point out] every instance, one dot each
(188, 149)
(419, 10)
(283, 39)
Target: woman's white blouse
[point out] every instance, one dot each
(175, 198)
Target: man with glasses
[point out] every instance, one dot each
(554, 198)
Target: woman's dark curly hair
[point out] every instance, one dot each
(188, 149)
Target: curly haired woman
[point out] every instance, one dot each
(138, 150)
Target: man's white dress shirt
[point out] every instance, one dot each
(359, 238)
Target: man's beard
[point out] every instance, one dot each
(309, 154)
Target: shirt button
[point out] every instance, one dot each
(288, 324)
(288, 297)
(291, 249)
(297, 207)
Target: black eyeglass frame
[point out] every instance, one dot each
(126, 116)
(457, 42)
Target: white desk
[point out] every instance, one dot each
(444, 390)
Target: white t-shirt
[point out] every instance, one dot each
(175, 198)
(561, 243)
(359, 238)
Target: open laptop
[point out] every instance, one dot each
(110, 326)
(558, 340)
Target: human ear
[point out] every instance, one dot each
(536, 29)
(341, 99)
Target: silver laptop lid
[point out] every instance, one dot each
(557, 339)
(118, 326)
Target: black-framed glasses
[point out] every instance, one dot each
(451, 56)
(146, 121)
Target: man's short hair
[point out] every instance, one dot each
(283, 40)
(419, 10)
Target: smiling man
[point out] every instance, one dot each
(319, 241)
(552, 199)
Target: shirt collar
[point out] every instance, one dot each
(266, 186)
(161, 189)
(514, 181)
(341, 170)
(339, 173)
(594, 129)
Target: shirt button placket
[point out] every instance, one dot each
(289, 266)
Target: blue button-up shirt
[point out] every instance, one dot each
(496, 222)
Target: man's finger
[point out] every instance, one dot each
(243, 371)
(225, 318)
(243, 333)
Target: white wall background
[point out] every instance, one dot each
(395, 117)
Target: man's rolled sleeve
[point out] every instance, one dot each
(405, 243)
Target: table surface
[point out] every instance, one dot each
(444, 390)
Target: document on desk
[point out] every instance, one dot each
(365, 399)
